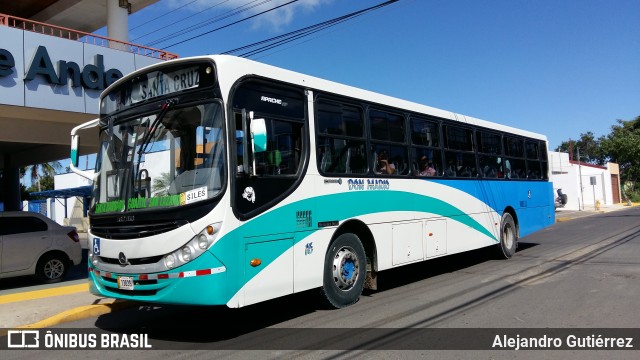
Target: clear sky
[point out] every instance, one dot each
(556, 67)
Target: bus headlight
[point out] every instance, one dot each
(186, 254)
(194, 248)
(170, 261)
(203, 241)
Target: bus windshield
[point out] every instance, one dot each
(168, 159)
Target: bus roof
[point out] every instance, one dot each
(231, 68)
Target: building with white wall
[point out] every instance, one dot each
(584, 183)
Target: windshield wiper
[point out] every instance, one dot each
(146, 140)
(112, 143)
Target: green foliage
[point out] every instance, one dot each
(623, 147)
(44, 183)
(161, 184)
(24, 193)
(38, 171)
(588, 147)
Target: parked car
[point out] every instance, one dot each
(32, 244)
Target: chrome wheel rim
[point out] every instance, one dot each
(53, 269)
(346, 269)
(508, 235)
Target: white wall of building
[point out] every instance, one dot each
(74, 204)
(567, 176)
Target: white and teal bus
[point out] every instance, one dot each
(224, 181)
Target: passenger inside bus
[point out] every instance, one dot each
(451, 169)
(426, 167)
(383, 164)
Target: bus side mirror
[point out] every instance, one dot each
(75, 141)
(259, 135)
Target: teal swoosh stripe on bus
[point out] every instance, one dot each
(344, 206)
(340, 207)
(367, 202)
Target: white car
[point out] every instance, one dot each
(32, 244)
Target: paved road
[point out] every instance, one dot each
(576, 274)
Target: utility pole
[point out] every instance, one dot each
(580, 174)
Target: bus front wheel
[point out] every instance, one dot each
(508, 237)
(345, 269)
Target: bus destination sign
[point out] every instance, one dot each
(151, 85)
(160, 83)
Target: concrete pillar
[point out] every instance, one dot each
(117, 24)
(10, 186)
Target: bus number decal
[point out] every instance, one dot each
(308, 248)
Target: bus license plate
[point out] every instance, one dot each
(125, 282)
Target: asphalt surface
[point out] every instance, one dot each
(26, 304)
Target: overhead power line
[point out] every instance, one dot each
(194, 26)
(198, 26)
(301, 33)
(163, 15)
(231, 24)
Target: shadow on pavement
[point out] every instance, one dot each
(77, 272)
(185, 322)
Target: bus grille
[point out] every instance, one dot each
(139, 261)
(121, 231)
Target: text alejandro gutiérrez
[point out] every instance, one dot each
(569, 342)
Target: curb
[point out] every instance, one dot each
(46, 293)
(601, 211)
(81, 312)
(568, 218)
(78, 313)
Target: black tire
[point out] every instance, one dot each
(345, 269)
(508, 237)
(52, 268)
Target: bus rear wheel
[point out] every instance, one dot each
(345, 269)
(508, 237)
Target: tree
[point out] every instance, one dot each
(24, 193)
(623, 147)
(161, 184)
(45, 182)
(34, 172)
(588, 146)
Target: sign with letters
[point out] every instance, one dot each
(48, 72)
(163, 83)
(91, 76)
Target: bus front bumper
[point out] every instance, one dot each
(199, 282)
